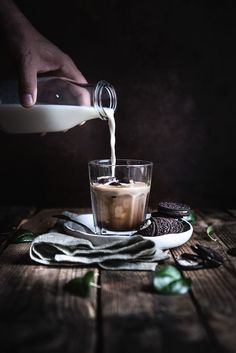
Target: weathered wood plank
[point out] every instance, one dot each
(232, 212)
(10, 217)
(10, 220)
(36, 314)
(225, 231)
(214, 290)
(216, 217)
(137, 320)
(44, 220)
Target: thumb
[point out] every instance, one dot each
(27, 85)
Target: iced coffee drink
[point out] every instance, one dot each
(120, 206)
(119, 194)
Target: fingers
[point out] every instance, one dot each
(30, 65)
(27, 82)
(70, 70)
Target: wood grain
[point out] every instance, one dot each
(44, 220)
(214, 290)
(36, 314)
(232, 212)
(10, 220)
(137, 320)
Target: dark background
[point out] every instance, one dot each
(172, 64)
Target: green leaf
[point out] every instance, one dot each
(80, 286)
(23, 236)
(210, 232)
(232, 252)
(168, 280)
(191, 217)
(180, 286)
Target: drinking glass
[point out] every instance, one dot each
(119, 194)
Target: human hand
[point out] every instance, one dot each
(34, 54)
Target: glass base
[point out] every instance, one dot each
(103, 231)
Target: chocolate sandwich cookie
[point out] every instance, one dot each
(147, 228)
(173, 209)
(155, 226)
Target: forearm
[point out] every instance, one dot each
(12, 20)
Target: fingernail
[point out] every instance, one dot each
(27, 100)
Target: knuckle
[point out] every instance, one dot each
(26, 57)
(67, 61)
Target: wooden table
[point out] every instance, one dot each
(124, 315)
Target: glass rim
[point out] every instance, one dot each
(120, 163)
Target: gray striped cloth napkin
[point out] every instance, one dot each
(132, 253)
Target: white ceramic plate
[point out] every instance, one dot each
(167, 241)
